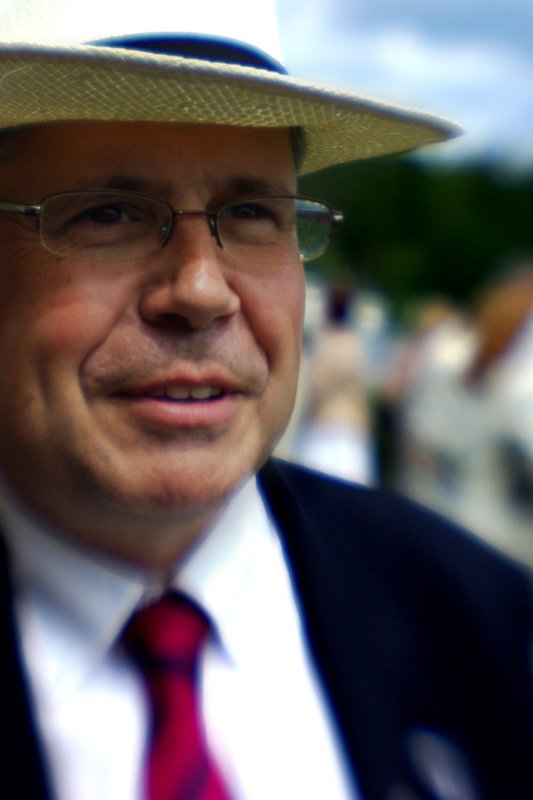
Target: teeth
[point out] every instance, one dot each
(202, 392)
(177, 393)
(186, 393)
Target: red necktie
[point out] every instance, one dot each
(165, 640)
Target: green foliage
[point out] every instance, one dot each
(414, 228)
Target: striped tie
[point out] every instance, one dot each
(165, 640)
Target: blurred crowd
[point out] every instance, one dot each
(442, 411)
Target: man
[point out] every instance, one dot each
(151, 310)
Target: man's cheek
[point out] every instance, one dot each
(74, 322)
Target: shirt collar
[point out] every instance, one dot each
(229, 573)
(73, 604)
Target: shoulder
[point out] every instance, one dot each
(390, 534)
(332, 500)
(354, 507)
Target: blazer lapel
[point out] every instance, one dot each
(354, 634)
(374, 664)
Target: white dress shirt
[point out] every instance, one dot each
(266, 720)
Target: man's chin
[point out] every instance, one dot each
(181, 496)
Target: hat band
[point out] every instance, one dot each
(206, 48)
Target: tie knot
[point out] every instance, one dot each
(168, 634)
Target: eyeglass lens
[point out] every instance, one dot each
(120, 225)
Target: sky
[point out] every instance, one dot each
(470, 60)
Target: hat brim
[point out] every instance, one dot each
(43, 84)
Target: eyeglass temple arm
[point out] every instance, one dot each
(19, 208)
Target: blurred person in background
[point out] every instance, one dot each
(334, 431)
(183, 616)
(465, 443)
(431, 357)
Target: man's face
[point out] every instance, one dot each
(137, 394)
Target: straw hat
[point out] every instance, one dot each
(205, 68)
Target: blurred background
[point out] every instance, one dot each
(418, 368)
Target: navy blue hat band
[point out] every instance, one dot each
(202, 47)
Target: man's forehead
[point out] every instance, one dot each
(151, 156)
(96, 133)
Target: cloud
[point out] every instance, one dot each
(500, 21)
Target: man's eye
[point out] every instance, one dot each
(111, 214)
(248, 211)
(259, 213)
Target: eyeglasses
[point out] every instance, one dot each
(116, 225)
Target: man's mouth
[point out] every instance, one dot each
(187, 393)
(181, 404)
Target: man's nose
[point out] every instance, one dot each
(189, 279)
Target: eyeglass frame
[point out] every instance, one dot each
(333, 216)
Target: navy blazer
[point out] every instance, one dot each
(420, 634)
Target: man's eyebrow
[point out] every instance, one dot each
(234, 186)
(126, 183)
(243, 186)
